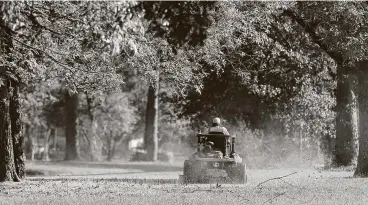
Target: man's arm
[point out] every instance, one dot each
(207, 131)
(225, 131)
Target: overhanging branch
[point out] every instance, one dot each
(311, 31)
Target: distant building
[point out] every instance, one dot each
(135, 143)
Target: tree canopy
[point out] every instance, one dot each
(285, 69)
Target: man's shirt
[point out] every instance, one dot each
(218, 129)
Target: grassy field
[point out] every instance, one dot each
(148, 183)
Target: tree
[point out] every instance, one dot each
(264, 62)
(179, 24)
(92, 128)
(51, 41)
(16, 131)
(114, 117)
(329, 26)
(151, 128)
(71, 105)
(42, 109)
(330, 34)
(117, 116)
(11, 149)
(362, 165)
(293, 35)
(92, 64)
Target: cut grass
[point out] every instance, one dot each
(127, 191)
(122, 180)
(288, 186)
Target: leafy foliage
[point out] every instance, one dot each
(264, 71)
(271, 65)
(181, 23)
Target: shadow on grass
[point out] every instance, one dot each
(35, 172)
(121, 180)
(144, 166)
(40, 173)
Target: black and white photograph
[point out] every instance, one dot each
(183, 102)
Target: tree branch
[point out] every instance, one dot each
(41, 51)
(34, 21)
(311, 30)
(30, 15)
(53, 58)
(276, 178)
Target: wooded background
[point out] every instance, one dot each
(79, 80)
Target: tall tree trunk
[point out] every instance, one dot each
(151, 131)
(45, 155)
(327, 146)
(353, 81)
(33, 143)
(362, 166)
(55, 139)
(16, 129)
(111, 147)
(7, 165)
(346, 150)
(71, 143)
(27, 135)
(93, 148)
(301, 139)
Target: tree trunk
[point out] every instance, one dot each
(327, 146)
(33, 143)
(7, 165)
(93, 148)
(151, 130)
(55, 139)
(353, 82)
(45, 155)
(301, 139)
(71, 142)
(111, 147)
(362, 166)
(16, 130)
(345, 152)
(27, 135)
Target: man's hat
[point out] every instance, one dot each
(216, 120)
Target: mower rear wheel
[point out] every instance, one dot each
(189, 172)
(238, 174)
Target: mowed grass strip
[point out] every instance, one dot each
(299, 189)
